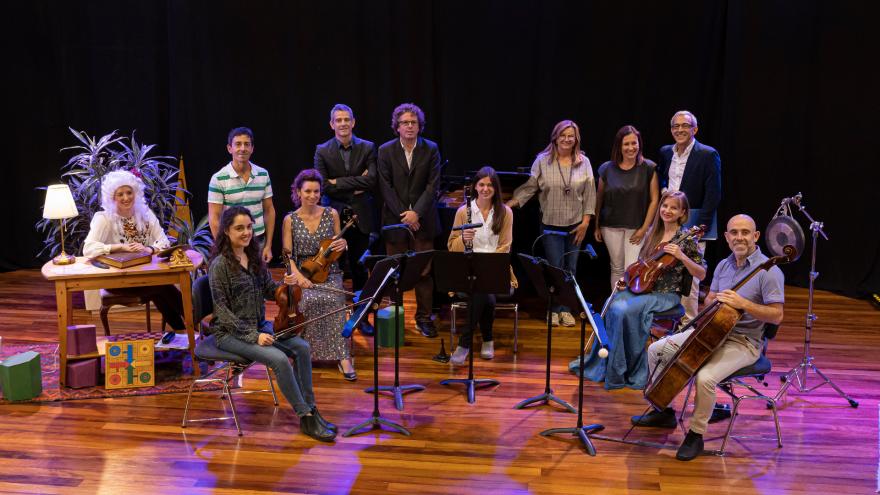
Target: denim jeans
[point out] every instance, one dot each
(295, 382)
(554, 248)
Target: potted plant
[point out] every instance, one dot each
(84, 172)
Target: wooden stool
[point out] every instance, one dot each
(109, 299)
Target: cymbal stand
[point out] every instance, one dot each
(798, 374)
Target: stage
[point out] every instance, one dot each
(136, 445)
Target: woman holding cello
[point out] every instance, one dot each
(302, 233)
(632, 307)
(240, 284)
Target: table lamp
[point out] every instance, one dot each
(60, 206)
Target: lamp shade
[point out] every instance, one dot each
(59, 203)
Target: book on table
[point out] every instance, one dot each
(123, 259)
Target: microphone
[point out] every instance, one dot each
(546, 232)
(588, 250)
(467, 226)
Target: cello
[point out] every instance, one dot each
(641, 276)
(317, 268)
(710, 329)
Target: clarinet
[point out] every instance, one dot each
(468, 245)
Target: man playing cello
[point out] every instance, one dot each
(760, 299)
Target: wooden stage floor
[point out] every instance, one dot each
(136, 445)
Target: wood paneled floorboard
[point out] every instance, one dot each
(136, 445)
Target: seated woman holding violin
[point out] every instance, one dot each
(656, 282)
(240, 284)
(748, 291)
(312, 237)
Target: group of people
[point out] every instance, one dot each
(640, 207)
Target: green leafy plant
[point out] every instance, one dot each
(84, 172)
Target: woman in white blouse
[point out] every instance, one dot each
(563, 179)
(127, 224)
(494, 236)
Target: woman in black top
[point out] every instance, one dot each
(626, 201)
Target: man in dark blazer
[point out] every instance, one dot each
(348, 165)
(408, 170)
(695, 169)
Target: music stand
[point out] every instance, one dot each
(469, 273)
(408, 274)
(378, 283)
(571, 296)
(537, 269)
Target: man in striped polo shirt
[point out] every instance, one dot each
(242, 183)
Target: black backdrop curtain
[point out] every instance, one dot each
(784, 90)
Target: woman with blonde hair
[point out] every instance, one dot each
(562, 177)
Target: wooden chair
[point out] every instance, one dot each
(109, 299)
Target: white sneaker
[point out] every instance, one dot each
(488, 350)
(554, 319)
(566, 319)
(459, 356)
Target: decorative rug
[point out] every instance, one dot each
(173, 375)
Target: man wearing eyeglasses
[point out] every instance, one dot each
(695, 169)
(409, 167)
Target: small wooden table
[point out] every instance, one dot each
(82, 275)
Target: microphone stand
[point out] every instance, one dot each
(799, 372)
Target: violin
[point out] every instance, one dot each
(711, 328)
(317, 268)
(287, 297)
(641, 276)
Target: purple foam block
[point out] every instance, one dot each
(81, 340)
(83, 373)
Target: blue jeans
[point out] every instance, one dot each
(295, 382)
(554, 248)
(627, 323)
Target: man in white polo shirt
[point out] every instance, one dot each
(242, 183)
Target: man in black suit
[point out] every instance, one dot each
(695, 169)
(348, 165)
(409, 168)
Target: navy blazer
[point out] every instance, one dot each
(342, 195)
(403, 187)
(701, 182)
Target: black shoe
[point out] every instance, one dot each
(657, 419)
(367, 329)
(351, 377)
(311, 426)
(427, 329)
(720, 413)
(330, 426)
(691, 447)
(168, 337)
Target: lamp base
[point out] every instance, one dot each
(64, 259)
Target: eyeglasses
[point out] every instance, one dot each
(405, 123)
(686, 126)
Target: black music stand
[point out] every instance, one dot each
(380, 281)
(470, 273)
(410, 267)
(571, 296)
(537, 270)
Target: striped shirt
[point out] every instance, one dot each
(228, 189)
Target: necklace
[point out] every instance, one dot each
(566, 185)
